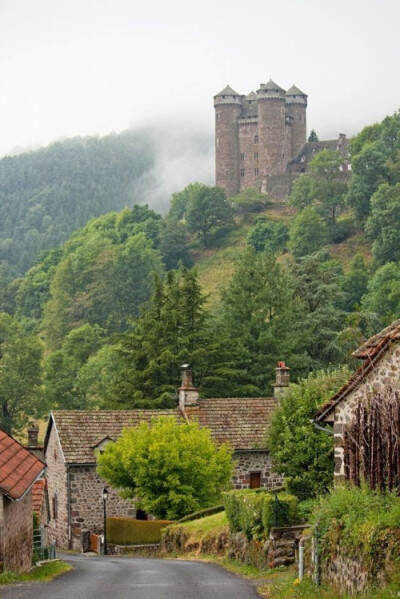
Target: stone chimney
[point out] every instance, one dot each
(33, 433)
(188, 395)
(282, 380)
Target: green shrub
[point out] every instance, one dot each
(128, 531)
(256, 512)
(365, 523)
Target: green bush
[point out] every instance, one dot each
(256, 512)
(128, 531)
(365, 523)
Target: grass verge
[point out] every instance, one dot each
(43, 573)
(290, 587)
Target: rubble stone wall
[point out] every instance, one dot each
(255, 461)
(17, 534)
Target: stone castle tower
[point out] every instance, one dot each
(257, 135)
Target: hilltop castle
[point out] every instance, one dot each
(257, 135)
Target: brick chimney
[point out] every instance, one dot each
(188, 395)
(33, 433)
(282, 380)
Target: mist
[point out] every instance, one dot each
(182, 154)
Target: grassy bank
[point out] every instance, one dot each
(43, 573)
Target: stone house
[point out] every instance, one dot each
(379, 372)
(74, 437)
(19, 469)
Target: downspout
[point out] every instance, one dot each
(301, 555)
(69, 509)
(328, 431)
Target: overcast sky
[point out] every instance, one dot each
(81, 67)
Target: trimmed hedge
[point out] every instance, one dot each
(209, 511)
(128, 531)
(255, 512)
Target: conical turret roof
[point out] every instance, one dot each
(271, 85)
(251, 96)
(227, 91)
(295, 91)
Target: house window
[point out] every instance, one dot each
(242, 172)
(242, 156)
(255, 155)
(55, 506)
(256, 171)
(255, 480)
(256, 139)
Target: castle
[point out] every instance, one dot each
(257, 135)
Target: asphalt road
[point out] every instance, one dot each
(135, 578)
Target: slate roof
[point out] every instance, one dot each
(19, 468)
(80, 431)
(295, 91)
(240, 421)
(371, 352)
(227, 91)
(271, 85)
(38, 494)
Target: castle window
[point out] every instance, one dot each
(255, 155)
(300, 118)
(242, 156)
(55, 506)
(283, 155)
(256, 139)
(256, 171)
(242, 172)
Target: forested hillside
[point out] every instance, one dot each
(106, 319)
(48, 194)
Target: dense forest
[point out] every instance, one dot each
(105, 319)
(48, 194)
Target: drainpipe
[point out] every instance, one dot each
(328, 431)
(301, 555)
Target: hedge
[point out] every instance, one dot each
(128, 531)
(255, 512)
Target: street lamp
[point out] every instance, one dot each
(104, 495)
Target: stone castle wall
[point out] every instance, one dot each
(255, 461)
(16, 532)
(386, 373)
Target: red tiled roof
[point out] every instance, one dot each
(38, 491)
(371, 351)
(240, 421)
(19, 468)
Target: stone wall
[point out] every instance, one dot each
(279, 549)
(386, 373)
(249, 155)
(87, 503)
(16, 534)
(57, 490)
(255, 461)
(350, 575)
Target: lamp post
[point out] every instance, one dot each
(104, 495)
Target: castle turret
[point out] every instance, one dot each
(228, 108)
(296, 106)
(271, 128)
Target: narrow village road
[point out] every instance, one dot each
(135, 578)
